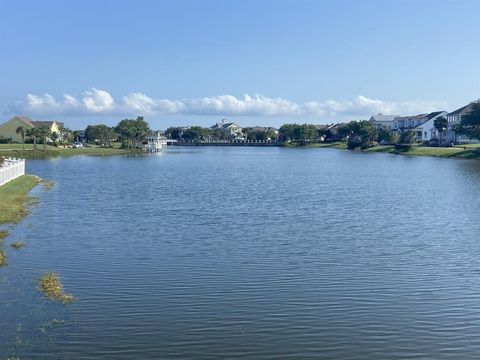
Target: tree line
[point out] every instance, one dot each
(194, 134)
(131, 132)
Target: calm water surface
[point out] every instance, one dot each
(249, 253)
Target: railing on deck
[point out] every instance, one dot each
(11, 169)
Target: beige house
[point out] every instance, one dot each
(232, 129)
(8, 130)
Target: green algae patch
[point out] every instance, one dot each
(51, 287)
(14, 198)
(48, 185)
(17, 244)
(3, 258)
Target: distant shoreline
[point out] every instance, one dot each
(469, 151)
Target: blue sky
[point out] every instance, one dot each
(259, 62)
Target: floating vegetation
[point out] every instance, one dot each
(3, 234)
(48, 185)
(50, 285)
(3, 258)
(33, 201)
(17, 244)
(52, 324)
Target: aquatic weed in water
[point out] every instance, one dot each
(3, 258)
(50, 285)
(17, 244)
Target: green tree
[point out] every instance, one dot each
(407, 137)
(394, 138)
(22, 131)
(55, 136)
(174, 133)
(92, 134)
(126, 130)
(44, 133)
(361, 134)
(470, 123)
(141, 130)
(343, 132)
(384, 136)
(441, 124)
(33, 133)
(298, 133)
(76, 135)
(191, 135)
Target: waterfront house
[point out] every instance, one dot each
(422, 125)
(455, 117)
(155, 141)
(426, 131)
(230, 128)
(8, 130)
(381, 121)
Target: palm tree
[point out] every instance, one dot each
(21, 130)
(44, 132)
(33, 133)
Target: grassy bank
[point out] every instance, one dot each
(469, 151)
(14, 196)
(332, 145)
(16, 150)
(457, 152)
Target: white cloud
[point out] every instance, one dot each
(41, 104)
(96, 101)
(139, 102)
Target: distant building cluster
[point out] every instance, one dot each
(423, 125)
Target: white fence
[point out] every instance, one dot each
(11, 169)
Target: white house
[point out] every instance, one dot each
(232, 129)
(426, 130)
(155, 141)
(381, 121)
(421, 124)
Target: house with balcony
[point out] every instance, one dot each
(231, 129)
(421, 124)
(453, 118)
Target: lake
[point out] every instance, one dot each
(248, 253)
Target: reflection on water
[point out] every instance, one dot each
(260, 253)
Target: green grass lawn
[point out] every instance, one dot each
(16, 150)
(333, 145)
(14, 196)
(447, 152)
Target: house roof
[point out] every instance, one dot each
(381, 117)
(434, 114)
(223, 125)
(464, 110)
(24, 119)
(41, 123)
(413, 117)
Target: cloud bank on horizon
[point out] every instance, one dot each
(101, 102)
